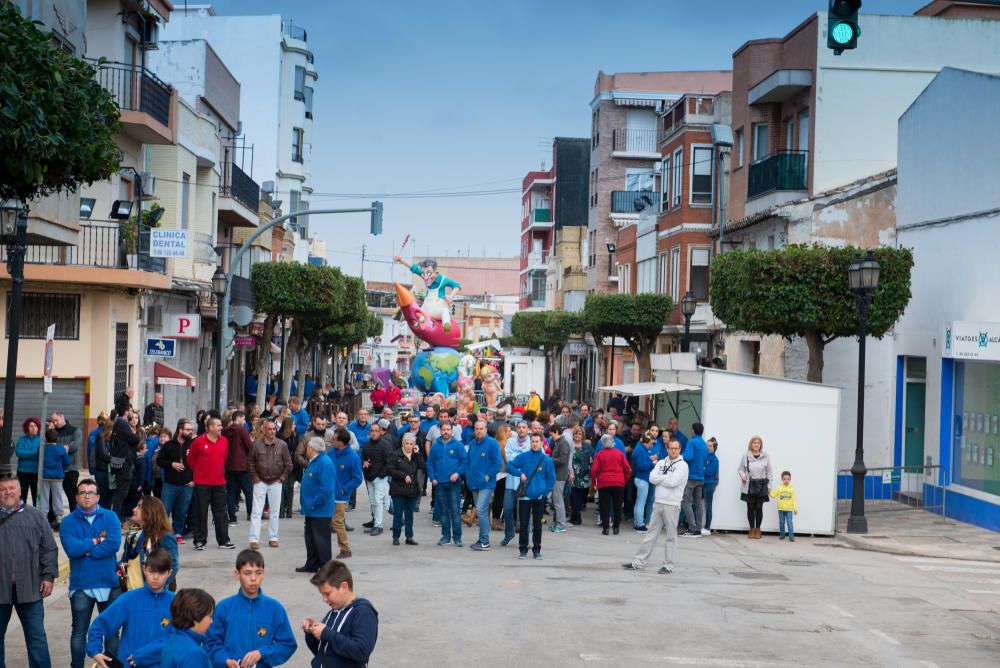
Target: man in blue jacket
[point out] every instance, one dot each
(535, 469)
(316, 496)
(249, 628)
(696, 456)
(90, 536)
(481, 478)
(361, 426)
(445, 467)
(348, 477)
(142, 616)
(300, 415)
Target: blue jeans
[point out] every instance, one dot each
(449, 495)
(176, 500)
(509, 503)
(484, 497)
(402, 515)
(32, 616)
(644, 497)
(82, 608)
(785, 520)
(708, 492)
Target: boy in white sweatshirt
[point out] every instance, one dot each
(669, 477)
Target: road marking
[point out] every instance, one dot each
(884, 636)
(841, 611)
(983, 591)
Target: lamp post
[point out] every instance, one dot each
(863, 275)
(688, 306)
(14, 235)
(219, 284)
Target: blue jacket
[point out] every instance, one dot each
(309, 387)
(696, 454)
(152, 443)
(348, 472)
(681, 438)
(446, 459)
(642, 462)
(183, 649)
(301, 418)
(712, 469)
(361, 433)
(241, 625)
(316, 491)
(484, 463)
(91, 442)
(468, 433)
(27, 454)
(91, 566)
(56, 461)
(425, 425)
(542, 481)
(144, 618)
(348, 639)
(250, 389)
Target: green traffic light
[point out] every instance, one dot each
(842, 33)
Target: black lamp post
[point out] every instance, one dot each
(863, 275)
(219, 290)
(14, 235)
(688, 306)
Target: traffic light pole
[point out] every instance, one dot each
(221, 374)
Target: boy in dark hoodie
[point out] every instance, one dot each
(346, 637)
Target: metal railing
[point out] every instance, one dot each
(899, 488)
(242, 188)
(629, 140)
(541, 215)
(135, 89)
(780, 171)
(632, 201)
(105, 245)
(294, 31)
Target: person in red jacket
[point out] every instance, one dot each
(237, 463)
(609, 473)
(207, 461)
(379, 398)
(394, 394)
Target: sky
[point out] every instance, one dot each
(457, 96)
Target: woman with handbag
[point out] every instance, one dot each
(150, 516)
(609, 473)
(755, 476)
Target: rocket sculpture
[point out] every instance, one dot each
(423, 326)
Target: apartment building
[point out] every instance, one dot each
(537, 229)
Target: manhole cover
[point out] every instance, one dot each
(753, 575)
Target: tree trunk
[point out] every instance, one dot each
(263, 362)
(305, 349)
(287, 372)
(643, 359)
(816, 346)
(324, 364)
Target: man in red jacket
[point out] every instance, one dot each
(237, 463)
(207, 461)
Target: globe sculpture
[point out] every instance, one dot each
(436, 370)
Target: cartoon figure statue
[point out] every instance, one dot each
(491, 384)
(437, 303)
(466, 395)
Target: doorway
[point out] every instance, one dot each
(914, 413)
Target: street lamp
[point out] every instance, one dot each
(219, 290)
(14, 235)
(688, 306)
(863, 275)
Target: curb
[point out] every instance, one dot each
(63, 569)
(861, 544)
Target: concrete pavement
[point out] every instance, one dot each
(731, 602)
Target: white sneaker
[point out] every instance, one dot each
(706, 532)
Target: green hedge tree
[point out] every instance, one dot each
(803, 291)
(639, 319)
(548, 330)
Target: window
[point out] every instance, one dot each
(300, 82)
(185, 199)
(646, 276)
(976, 445)
(309, 101)
(663, 274)
(537, 289)
(298, 138)
(41, 309)
(638, 179)
(701, 174)
(121, 358)
(790, 133)
(698, 280)
(294, 204)
(595, 128)
(675, 273)
(594, 182)
(739, 147)
(759, 141)
(625, 278)
(665, 184)
(678, 176)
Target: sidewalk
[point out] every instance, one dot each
(897, 529)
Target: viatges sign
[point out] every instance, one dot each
(972, 340)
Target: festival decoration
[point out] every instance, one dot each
(424, 326)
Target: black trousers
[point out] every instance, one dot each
(530, 512)
(236, 482)
(123, 485)
(628, 500)
(29, 486)
(498, 493)
(214, 497)
(610, 501)
(319, 542)
(69, 486)
(578, 499)
(755, 511)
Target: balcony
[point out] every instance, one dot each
(538, 260)
(633, 201)
(632, 143)
(144, 102)
(294, 31)
(780, 171)
(540, 219)
(239, 201)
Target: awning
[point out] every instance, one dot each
(648, 388)
(488, 343)
(164, 374)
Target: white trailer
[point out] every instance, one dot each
(524, 371)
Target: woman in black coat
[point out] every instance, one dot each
(404, 488)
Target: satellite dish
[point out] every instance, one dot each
(242, 315)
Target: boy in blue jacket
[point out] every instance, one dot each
(347, 635)
(348, 472)
(445, 466)
(190, 619)
(250, 629)
(142, 616)
(536, 471)
(316, 496)
(53, 471)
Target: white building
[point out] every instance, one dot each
(947, 344)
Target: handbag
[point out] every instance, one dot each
(130, 570)
(756, 487)
(522, 488)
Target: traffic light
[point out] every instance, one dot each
(376, 218)
(843, 30)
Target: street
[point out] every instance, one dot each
(730, 602)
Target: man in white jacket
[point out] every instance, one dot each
(669, 477)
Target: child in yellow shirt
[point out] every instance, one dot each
(787, 506)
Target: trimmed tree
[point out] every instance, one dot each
(57, 122)
(803, 291)
(548, 330)
(639, 319)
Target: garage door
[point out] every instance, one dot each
(68, 397)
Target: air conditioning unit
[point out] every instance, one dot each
(148, 185)
(267, 187)
(150, 35)
(152, 316)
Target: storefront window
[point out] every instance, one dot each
(976, 451)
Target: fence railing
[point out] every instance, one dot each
(629, 140)
(899, 488)
(781, 171)
(633, 201)
(135, 89)
(242, 188)
(101, 245)
(294, 31)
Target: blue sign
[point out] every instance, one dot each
(160, 347)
